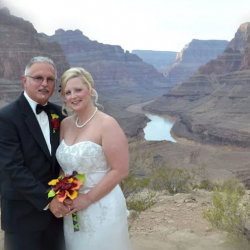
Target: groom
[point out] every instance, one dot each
(28, 142)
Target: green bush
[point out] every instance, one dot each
(173, 180)
(178, 180)
(159, 178)
(228, 212)
(141, 202)
(205, 184)
(132, 186)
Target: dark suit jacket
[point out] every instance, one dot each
(26, 167)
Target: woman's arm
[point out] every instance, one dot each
(115, 148)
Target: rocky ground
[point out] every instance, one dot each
(176, 223)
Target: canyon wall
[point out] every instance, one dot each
(115, 71)
(161, 60)
(214, 103)
(192, 56)
(18, 44)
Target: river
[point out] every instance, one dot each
(158, 129)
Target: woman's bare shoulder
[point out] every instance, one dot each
(107, 120)
(68, 120)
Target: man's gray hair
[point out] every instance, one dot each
(38, 59)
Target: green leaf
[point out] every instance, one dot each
(51, 193)
(80, 177)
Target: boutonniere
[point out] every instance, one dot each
(55, 123)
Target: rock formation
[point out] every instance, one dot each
(121, 78)
(114, 71)
(19, 42)
(214, 103)
(161, 60)
(194, 54)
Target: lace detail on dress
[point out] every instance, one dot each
(103, 225)
(103, 213)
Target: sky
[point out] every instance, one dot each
(161, 25)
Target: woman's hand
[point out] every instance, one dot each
(68, 203)
(81, 202)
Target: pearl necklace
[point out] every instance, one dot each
(80, 126)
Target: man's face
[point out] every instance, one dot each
(38, 90)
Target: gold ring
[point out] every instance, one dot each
(60, 216)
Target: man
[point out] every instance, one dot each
(28, 142)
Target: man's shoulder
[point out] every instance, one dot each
(10, 108)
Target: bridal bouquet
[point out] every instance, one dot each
(67, 186)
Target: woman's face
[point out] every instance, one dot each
(77, 94)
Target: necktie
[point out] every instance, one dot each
(40, 108)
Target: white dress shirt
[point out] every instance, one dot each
(42, 119)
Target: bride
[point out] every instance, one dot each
(92, 143)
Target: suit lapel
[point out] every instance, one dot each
(33, 125)
(54, 137)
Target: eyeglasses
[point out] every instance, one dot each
(40, 79)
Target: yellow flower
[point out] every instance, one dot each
(70, 180)
(72, 195)
(54, 116)
(53, 182)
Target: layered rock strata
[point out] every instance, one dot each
(121, 78)
(114, 71)
(213, 104)
(161, 60)
(193, 55)
(18, 44)
(20, 41)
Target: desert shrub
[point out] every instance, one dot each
(178, 180)
(141, 201)
(133, 186)
(201, 179)
(159, 178)
(205, 184)
(230, 185)
(173, 180)
(228, 212)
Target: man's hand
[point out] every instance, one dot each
(58, 208)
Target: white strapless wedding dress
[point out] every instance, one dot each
(103, 225)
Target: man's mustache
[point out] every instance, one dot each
(44, 88)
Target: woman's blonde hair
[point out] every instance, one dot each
(86, 78)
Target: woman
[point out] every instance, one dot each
(92, 143)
